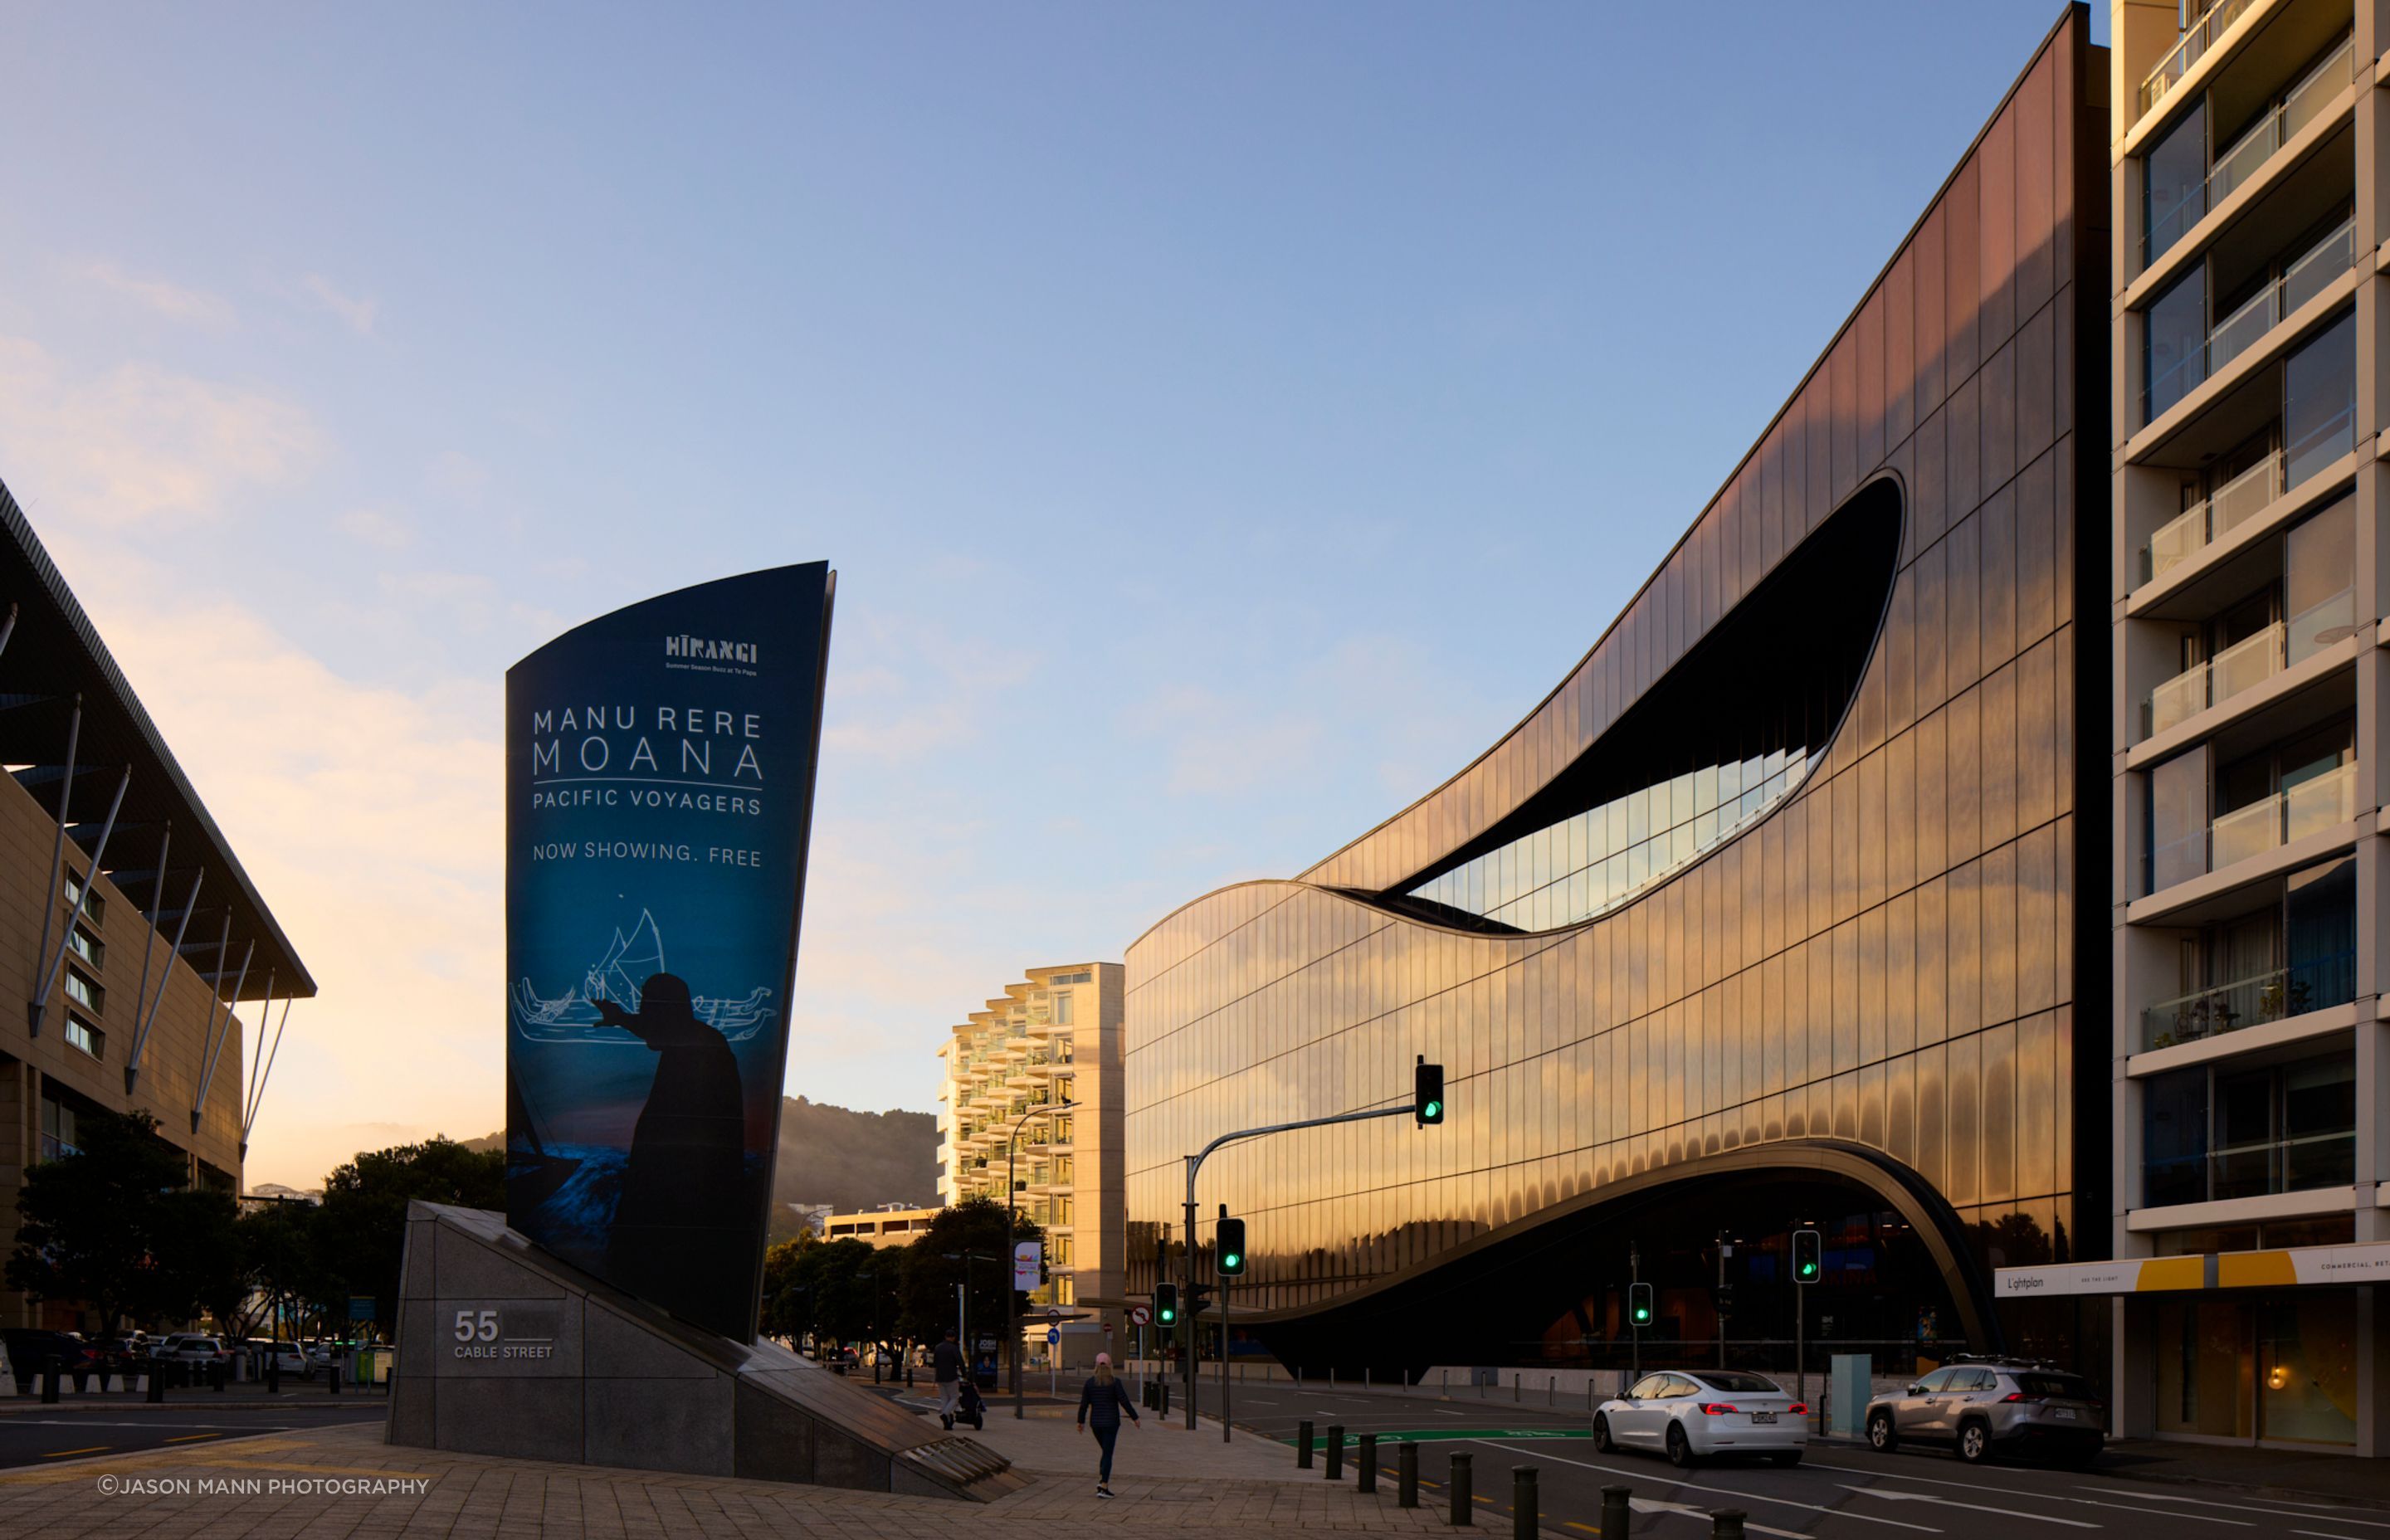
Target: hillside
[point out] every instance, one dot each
(846, 1159)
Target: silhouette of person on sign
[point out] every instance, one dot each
(687, 1174)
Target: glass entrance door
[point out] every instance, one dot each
(2275, 1367)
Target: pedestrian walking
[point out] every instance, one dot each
(946, 1359)
(1102, 1401)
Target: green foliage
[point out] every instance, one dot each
(280, 1260)
(117, 1226)
(360, 1234)
(934, 1266)
(837, 1291)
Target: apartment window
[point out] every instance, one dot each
(1062, 1209)
(96, 910)
(2319, 399)
(1064, 1168)
(84, 992)
(2297, 955)
(82, 1035)
(2174, 182)
(1059, 1250)
(2222, 1130)
(1065, 1291)
(841, 1229)
(1063, 1014)
(2319, 568)
(58, 1129)
(90, 948)
(2174, 344)
(1062, 1129)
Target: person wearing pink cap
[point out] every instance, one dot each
(1102, 1401)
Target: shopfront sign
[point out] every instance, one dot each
(2369, 1263)
(660, 777)
(2307, 1264)
(2131, 1275)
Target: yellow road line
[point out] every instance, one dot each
(1573, 1525)
(61, 1454)
(187, 1438)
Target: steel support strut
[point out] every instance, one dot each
(141, 1036)
(58, 846)
(41, 1005)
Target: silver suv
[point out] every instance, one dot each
(1985, 1405)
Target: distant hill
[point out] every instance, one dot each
(848, 1160)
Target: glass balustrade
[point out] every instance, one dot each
(2248, 155)
(2243, 666)
(2313, 985)
(2322, 803)
(2302, 279)
(2264, 1166)
(2196, 39)
(2213, 518)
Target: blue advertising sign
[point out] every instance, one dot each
(659, 777)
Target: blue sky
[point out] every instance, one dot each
(1226, 421)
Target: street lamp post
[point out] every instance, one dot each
(1011, 1200)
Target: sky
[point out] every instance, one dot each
(1226, 421)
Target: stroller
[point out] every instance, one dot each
(968, 1406)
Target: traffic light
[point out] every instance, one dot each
(1808, 1256)
(1427, 1092)
(1166, 1304)
(1639, 1303)
(1231, 1247)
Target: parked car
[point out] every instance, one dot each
(1983, 1406)
(191, 1347)
(29, 1350)
(286, 1355)
(322, 1355)
(1692, 1415)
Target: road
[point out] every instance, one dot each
(1839, 1490)
(35, 1434)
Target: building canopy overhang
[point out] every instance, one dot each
(2365, 1263)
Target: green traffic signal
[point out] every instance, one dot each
(1808, 1256)
(1231, 1242)
(1427, 1092)
(1639, 1303)
(1166, 1304)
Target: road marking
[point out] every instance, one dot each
(1729, 1491)
(1890, 1495)
(1653, 1504)
(2329, 1515)
(2321, 1534)
(2135, 1507)
(61, 1454)
(186, 1438)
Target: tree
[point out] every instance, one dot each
(934, 1264)
(361, 1232)
(279, 1265)
(117, 1226)
(820, 1289)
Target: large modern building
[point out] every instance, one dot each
(1031, 1093)
(131, 988)
(1787, 908)
(2249, 1078)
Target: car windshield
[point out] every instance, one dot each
(1742, 1384)
(2065, 1385)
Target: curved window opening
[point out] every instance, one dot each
(1730, 732)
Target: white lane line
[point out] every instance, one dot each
(2326, 1514)
(1448, 1412)
(2197, 1518)
(1890, 1495)
(1729, 1491)
(1653, 1504)
(2322, 1534)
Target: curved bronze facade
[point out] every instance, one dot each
(1887, 955)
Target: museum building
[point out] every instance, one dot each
(1787, 908)
(143, 988)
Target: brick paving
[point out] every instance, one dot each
(343, 1483)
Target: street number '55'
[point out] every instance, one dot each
(469, 1326)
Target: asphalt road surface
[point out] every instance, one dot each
(1838, 1490)
(35, 1434)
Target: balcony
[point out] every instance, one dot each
(2196, 39)
(2244, 665)
(2249, 154)
(2252, 1001)
(2313, 806)
(2303, 278)
(2257, 1169)
(2213, 518)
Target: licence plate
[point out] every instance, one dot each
(2065, 1414)
(1767, 1417)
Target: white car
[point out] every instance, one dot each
(190, 1347)
(1691, 1414)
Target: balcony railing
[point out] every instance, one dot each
(2297, 1164)
(2243, 666)
(2248, 155)
(2252, 1001)
(2306, 277)
(2213, 518)
(2197, 39)
(2311, 806)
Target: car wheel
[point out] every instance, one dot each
(1789, 1458)
(1601, 1442)
(1680, 1448)
(1879, 1434)
(1974, 1444)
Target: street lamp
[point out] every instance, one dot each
(1011, 1204)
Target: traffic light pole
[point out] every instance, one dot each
(1194, 1164)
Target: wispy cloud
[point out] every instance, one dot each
(378, 528)
(357, 314)
(173, 300)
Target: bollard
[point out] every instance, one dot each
(1522, 1501)
(1553, 1392)
(50, 1380)
(1336, 1451)
(216, 1374)
(274, 1373)
(1447, 1389)
(157, 1385)
(1725, 1523)
(1462, 1510)
(1615, 1514)
(81, 1374)
(1302, 1444)
(1406, 1476)
(1165, 1396)
(1514, 1385)
(332, 1373)
(1364, 1463)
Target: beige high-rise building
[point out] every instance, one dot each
(2247, 1073)
(1030, 1088)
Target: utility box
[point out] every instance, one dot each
(1849, 1385)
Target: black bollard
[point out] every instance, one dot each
(157, 1378)
(332, 1373)
(50, 1380)
(1522, 1503)
(274, 1373)
(1365, 1463)
(1616, 1513)
(1725, 1523)
(1406, 1476)
(1302, 1446)
(216, 1376)
(1336, 1451)
(82, 1374)
(1462, 1510)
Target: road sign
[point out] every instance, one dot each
(1138, 1314)
(1053, 1335)
(361, 1307)
(1053, 1315)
